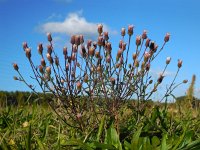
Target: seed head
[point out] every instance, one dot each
(147, 42)
(91, 51)
(49, 49)
(50, 59)
(79, 85)
(15, 66)
(49, 38)
(134, 56)
(89, 44)
(136, 63)
(168, 60)
(75, 48)
(67, 67)
(57, 61)
(130, 30)
(167, 36)
(180, 63)
(120, 44)
(42, 62)
(41, 69)
(73, 39)
(100, 28)
(123, 46)
(28, 53)
(77, 40)
(100, 41)
(147, 67)
(119, 53)
(15, 78)
(106, 37)
(138, 40)
(65, 51)
(97, 54)
(40, 48)
(123, 32)
(108, 47)
(146, 56)
(160, 79)
(108, 59)
(86, 78)
(185, 81)
(48, 70)
(112, 80)
(24, 45)
(73, 57)
(144, 34)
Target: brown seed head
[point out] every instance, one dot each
(73, 57)
(100, 41)
(108, 59)
(100, 28)
(57, 61)
(40, 48)
(112, 80)
(167, 36)
(28, 53)
(106, 37)
(123, 46)
(89, 44)
(67, 67)
(42, 62)
(75, 48)
(123, 32)
(180, 63)
(147, 67)
(77, 40)
(48, 70)
(134, 56)
(86, 78)
(49, 49)
(49, 58)
(138, 40)
(24, 45)
(79, 85)
(41, 69)
(185, 81)
(136, 63)
(91, 51)
(168, 60)
(160, 79)
(97, 54)
(144, 34)
(119, 53)
(65, 51)
(146, 56)
(147, 42)
(130, 30)
(49, 38)
(72, 39)
(120, 44)
(15, 78)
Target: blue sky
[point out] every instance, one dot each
(29, 20)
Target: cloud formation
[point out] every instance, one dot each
(74, 23)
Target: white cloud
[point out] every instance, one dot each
(74, 23)
(156, 73)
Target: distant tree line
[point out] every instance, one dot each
(19, 98)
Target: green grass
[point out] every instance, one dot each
(38, 127)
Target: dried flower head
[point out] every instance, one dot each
(160, 79)
(42, 62)
(79, 85)
(112, 80)
(168, 60)
(91, 51)
(49, 58)
(40, 48)
(48, 70)
(24, 45)
(28, 53)
(130, 30)
(49, 49)
(147, 42)
(15, 66)
(144, 34)
(65, 51)
(167, 36)
(77, 40)
(180, 63)
(100, 28)
(138, 40)
(106, 37)
(15, 78)
(49, 38)
(41, 69)
(185, 81)
(72, 39)
(123, 32)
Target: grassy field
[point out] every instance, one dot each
(160, 126)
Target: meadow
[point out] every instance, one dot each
(98, 98)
